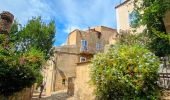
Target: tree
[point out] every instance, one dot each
(132, 39)
(152, 14)
(126, 72)
(23, 54)
(37, 34)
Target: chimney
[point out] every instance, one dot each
(6, 19)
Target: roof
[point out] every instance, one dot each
(91, 29)
(103, 27)
(73, 31)
(122, 3)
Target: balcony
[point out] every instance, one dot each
(83, 49)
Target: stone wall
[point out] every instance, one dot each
(23, 95)
(167, 22)
(83, 89)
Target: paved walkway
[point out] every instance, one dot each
(59, 95)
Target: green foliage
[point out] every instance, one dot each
(133, 39)
(37, 34)
(125, 73)
(152, 13)
(18, 71)
(129, 70)
(22, 55)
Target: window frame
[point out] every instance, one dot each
(83, 45)
(85, 59)
(98, 46)
(132, 17)
(63, 81)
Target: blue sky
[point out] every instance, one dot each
(68, 14)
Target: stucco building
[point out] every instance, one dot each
(124, 11)
(124, 17)
(79, 48)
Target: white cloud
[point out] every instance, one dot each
(86, 12)
(26, 9)
(82, 13)
(69, 14)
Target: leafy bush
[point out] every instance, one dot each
(126, 73)
(23, 53)
(131, 39)
(153, 18)
(18, 71)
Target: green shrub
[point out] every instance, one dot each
(23, 53)
(19, 71)
(124, 73)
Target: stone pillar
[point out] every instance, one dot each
(49, 78)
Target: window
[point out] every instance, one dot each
(97, 46)
(83, 45)
(63, 81)
(133, 19)
(82, 59)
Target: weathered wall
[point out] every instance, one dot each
(23, 95)
(83, 89)
(122, 15)
(66, 59)
(48, 74)
(167, 22)
(64, 67)
(71, 39)
(67, 56)
(58, 82)
(109, 36)
(91, 36)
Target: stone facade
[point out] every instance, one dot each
(25, 94)
(83, 88)
(80, 47)
(122, 15)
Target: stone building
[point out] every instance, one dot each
(70, 66)
(124, 17)
(78, 49)
(123, 11)
(83, 89)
